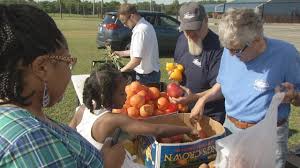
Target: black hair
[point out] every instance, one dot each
(100, 87)
(105, 66)
(26, 33)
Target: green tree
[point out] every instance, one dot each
(173, 8)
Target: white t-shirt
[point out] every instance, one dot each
(84, 128)
(144, 45)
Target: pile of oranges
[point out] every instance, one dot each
(143, 102)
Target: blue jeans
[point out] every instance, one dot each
(153, 77)
(282, 140)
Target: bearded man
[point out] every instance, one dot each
(198, 50)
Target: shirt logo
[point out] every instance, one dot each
(261, 85)
(197, 63)
(189, 15)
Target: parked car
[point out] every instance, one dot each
(113, 32)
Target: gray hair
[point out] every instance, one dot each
(240, 26)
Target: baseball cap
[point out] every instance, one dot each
(191, 16)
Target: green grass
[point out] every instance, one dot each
(81, 35)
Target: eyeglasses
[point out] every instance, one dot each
(71, 61)
(238, 52)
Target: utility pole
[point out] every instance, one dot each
(60, 11)
(224, 8)
(150, 5)
(78, 8)
(101, 8)
(93, 7)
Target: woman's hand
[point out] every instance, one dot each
(113, 156)
(197, 111)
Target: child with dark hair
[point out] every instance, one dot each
(105, 90)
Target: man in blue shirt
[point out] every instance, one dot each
(252, 66)
(198, 50)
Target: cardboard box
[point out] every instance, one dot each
(190, 154)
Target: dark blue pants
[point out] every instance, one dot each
(153, 77)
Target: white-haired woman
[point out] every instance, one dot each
(252, 66)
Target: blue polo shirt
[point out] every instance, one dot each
(200, 71)
(248, 87)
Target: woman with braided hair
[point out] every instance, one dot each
(34, 73)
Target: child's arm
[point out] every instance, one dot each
(158, 130)
(77, 117)
(109, 122)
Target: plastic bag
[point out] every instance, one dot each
(254, 147)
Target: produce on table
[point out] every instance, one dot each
(143, 102)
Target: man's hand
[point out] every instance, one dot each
(113, 156)
(186, 99)
(125, 53)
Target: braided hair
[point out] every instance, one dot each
(26, 33)
(100, 87)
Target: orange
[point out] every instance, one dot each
(127, 103)
(137, 101)
(128, 91)
(136, 86)
(146, 110)
(162, 103)
(154, 93)
(145, 94)
(133, 112)
(164, 94)
(151, 102)
(145, 88)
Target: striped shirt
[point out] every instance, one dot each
(26, 141)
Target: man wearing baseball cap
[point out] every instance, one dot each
(198, 50)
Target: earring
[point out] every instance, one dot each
(46, 97)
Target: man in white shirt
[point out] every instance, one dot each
(144, 55)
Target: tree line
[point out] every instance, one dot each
(88, 8)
